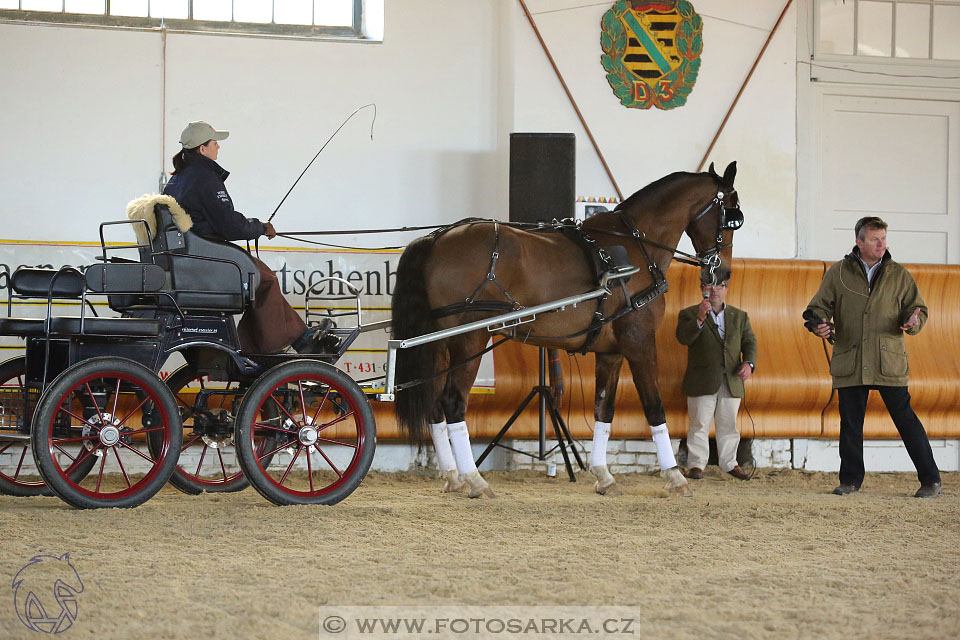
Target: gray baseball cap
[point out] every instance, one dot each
(197, 133)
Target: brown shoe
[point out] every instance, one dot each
(738, 473)
(929, 490)
(695, 473)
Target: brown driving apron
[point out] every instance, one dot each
(270, 324)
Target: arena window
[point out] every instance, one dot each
(346, 19)
(917, 30)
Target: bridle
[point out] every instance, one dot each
(731, 219)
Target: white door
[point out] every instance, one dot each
(886, 152)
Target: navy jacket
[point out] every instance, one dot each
(199, 189)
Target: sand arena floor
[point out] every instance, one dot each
(777, 557)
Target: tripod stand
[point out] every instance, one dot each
(547, 404)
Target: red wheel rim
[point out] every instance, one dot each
(121, 411)
(331, 417)
(12, 407)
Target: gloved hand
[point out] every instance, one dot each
(812, 321)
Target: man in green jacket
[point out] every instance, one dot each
(873, 301)
(721, 355)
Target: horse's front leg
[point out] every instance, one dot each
(608, 375)
(453, 402)
(644, 370)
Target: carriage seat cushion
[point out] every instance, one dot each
(35, 282)
(120, 327)
(144, 208)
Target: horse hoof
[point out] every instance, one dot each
(606, 485)
(683, 491)
(453, 482)
(609, 490)
(478, 486)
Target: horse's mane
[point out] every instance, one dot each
(654, 188)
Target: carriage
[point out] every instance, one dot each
(105, 430)
(88, 401)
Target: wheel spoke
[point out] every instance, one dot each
(76, 417)
(309, 470)
(303, 404)
(122, 470)
(75, 462)
(135, 410)
(329, 461)
(277, 450)
(337, 442)
(137, 451)
(9, 444)
(223, 467)
(103, 463)
(190, 443)
(116, 397)
(290, 466)
(203, 454)
(320, 408)
(281, 429)
(93, 400)
(23, 454)
(284, 409)
(335, 421)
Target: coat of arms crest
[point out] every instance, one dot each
(651, 52)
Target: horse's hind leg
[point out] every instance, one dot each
(453, 401)
(608, 374)
(446, 462)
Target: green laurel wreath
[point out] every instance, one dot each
(613, 41)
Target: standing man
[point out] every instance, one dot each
(873, 301)
(721, 355)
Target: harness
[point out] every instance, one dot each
(606, 267)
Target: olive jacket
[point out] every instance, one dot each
(869, 348)
(709, 358)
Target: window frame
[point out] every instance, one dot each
(887, 70)
(189, 25)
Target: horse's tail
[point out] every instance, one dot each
(411, 317)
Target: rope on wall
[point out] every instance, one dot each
(746, 81)
(573, 102)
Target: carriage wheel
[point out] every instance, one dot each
(324, 431)
(208, 459)
(16, 407)
(105, 409)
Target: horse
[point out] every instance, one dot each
(479, 268)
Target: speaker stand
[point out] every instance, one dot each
(547, 406)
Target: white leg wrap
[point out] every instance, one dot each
(441, 443)
(598, 454)
(460, 441)
(661, 438)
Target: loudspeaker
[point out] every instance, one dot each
(542, 176)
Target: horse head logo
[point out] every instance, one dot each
(45, 593)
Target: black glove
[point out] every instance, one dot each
(812, 321)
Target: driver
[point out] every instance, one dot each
(270, 324)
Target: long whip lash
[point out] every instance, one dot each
(324, 147)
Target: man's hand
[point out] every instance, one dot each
(745, 371)
(912, 321)
(822, 330)
(269, 231)
(703, 310)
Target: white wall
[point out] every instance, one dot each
(643, 145)
(84, 129)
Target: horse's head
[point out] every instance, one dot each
(713, 222)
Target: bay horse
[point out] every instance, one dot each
(496, 267)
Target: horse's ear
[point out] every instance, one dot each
(730, 174)
(711, 170)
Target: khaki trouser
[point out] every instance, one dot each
(270, 323)
(720, 408)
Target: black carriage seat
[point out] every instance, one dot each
(70, 284)
(204, 275)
